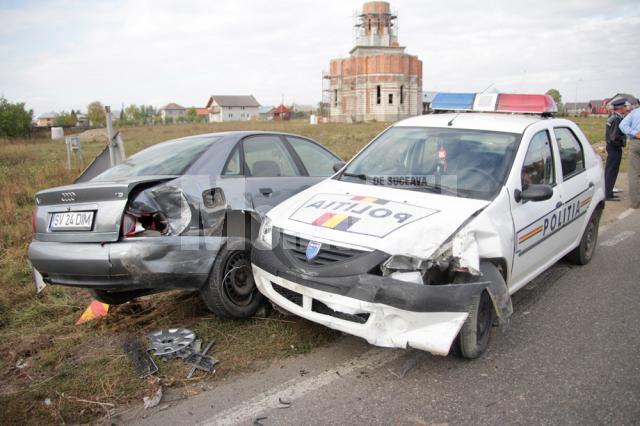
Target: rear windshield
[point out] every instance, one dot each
(167, 158)
(459, 162)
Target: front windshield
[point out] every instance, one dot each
(460, 162)
(168, 158)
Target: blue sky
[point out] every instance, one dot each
(62, 54)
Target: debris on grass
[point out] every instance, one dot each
(143, 364)
(181, 343)
(153, 401)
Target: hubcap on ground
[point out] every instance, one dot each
(238, 280)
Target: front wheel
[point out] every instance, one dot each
(583, 254)
(231, 291)
(474, 335)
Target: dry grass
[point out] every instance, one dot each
(67, 363)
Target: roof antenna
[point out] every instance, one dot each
(450, 123)
(488, 87)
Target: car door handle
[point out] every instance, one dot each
(558, 204)
(266, 191)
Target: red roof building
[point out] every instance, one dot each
(281, 113)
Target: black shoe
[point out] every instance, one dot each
(614, 198)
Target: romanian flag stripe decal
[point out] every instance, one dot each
(533, 233)
(341, 222)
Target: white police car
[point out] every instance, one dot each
(420, 240)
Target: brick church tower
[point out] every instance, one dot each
(378, 81)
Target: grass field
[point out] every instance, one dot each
(44, 356)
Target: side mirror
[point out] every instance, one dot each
(534, 193)
(339, 165)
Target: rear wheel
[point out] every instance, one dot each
(117, 297)
(231, 291)
(583, 254)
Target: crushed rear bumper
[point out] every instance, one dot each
(137, 263)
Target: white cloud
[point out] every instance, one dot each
(64, 54)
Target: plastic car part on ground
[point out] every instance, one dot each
(181, 343)
(170, 341)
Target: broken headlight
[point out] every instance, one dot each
(401, 263)
(404, 268)
(266, 231)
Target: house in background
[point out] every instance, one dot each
(597, 106)
(281, 113)
(302, 111)
(202, 113)
(264, 112)
(45, 120)
(171, 112)
(577, 108)
(232, 108)
(82, 120)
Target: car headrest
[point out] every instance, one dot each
(265, 168)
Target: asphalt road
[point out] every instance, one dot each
(571, 355)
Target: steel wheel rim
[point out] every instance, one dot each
(591, 237)
(484, 318)
(238, 282)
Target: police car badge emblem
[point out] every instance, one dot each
(313, 248)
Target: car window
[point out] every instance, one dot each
(167, 158)
(233, 164)
(538, 165)
(316, 160)
(571, 153)
(266, 156)
(461, 162)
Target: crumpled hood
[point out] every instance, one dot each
(392, 220)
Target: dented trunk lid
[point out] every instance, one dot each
(100, 203)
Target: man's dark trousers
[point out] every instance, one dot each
(611, 168)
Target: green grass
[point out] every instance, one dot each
(67, 363)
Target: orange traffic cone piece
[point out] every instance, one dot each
(94, 310)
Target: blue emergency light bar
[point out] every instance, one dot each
(453, 101)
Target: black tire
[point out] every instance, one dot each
(474, 336)
(117, 297)
(230, 291)
(583, 254)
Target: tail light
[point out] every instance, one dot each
(143, 224)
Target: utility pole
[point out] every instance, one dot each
(112, 153)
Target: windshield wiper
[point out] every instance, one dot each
(438, 189)
(360, 176)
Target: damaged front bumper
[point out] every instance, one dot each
(384, 311)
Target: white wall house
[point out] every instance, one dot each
(232, 108)
(172, 111)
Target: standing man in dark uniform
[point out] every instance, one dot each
(616, 140)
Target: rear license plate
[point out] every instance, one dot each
(72, 221)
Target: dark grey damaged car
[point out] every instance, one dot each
(180, 214)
